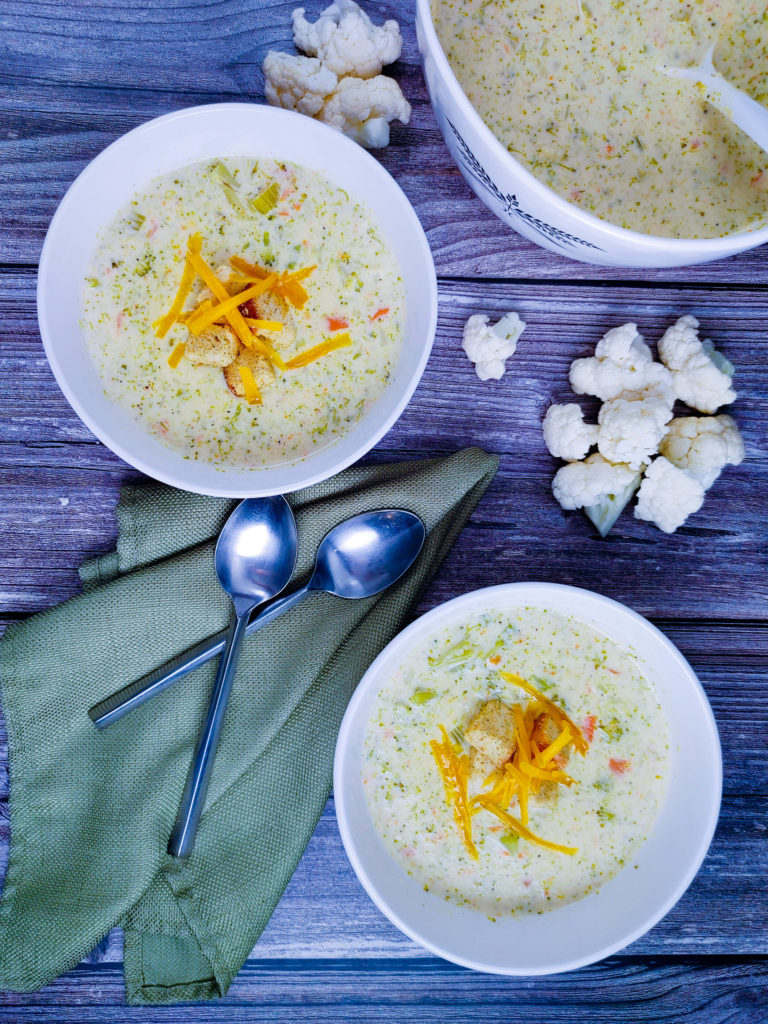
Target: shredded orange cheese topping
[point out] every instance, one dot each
(287, 285)
(165, 323)
(248, 269)
(252, 393)
(264, 325)
(454, 771)
(311, 354)
(534, 762)
(200, 320)
(175, 357)
(557, 714)
(517, 826)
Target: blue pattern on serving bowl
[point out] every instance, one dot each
(508, 201)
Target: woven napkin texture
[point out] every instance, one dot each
(91, 811)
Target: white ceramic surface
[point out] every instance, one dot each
(158, 147)
(626, 906)
(531, 207)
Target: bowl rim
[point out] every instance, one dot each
(46, 269)
(415, 631)
(721, 246)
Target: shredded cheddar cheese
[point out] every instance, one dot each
(165, 323)
(519, 827)
(317, 351)
(175, 357)
(264, 325)
(554, 748)
(454, 771)
(248, 269)
(252, 393)
(199, 321)
(234, 317)
(535, 761)
(289, 287)
(557, 714)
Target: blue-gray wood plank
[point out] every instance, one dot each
(74, 74)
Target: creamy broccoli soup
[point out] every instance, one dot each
(516, 761)
(574, 89)
(271, 378)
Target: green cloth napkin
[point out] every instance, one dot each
(91, 812)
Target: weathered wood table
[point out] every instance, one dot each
(75, 74)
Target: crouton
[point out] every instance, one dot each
(215, 346)
(271, 307)
(260, 367)
(492, 732)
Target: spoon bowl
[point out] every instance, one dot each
(367, 553)
(256, 550)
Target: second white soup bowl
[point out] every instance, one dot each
(624, 907)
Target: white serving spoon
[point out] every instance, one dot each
(748, 114)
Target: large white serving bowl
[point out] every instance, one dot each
(626, 906)
(168, 143)
(531, 207)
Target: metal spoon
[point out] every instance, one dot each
(358, 558)
(746, 113)
(255, 556)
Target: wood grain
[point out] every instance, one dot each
(676, 991)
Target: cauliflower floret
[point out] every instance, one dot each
(362, 109)
(297, 83)
(668, 495)
(696, 378)
(488, 347)
(583, 484)
(622, 363)
(703, 445)
(566, 434)
(624, 346)
(346, 40)
(631, 429)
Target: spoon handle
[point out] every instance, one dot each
(737, 105)
(115, 707)
(182, 839)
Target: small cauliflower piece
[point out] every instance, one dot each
(487, 347)
(622, 363)
(260, 367)
(703, 445)
(362, 108)
(696, 376)
(297, 83)
(492, 732)
(668, 495)
(215, 346)
(582, 484)
(566, 434)
(631, 429)
(346, 41)
(601, 488)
